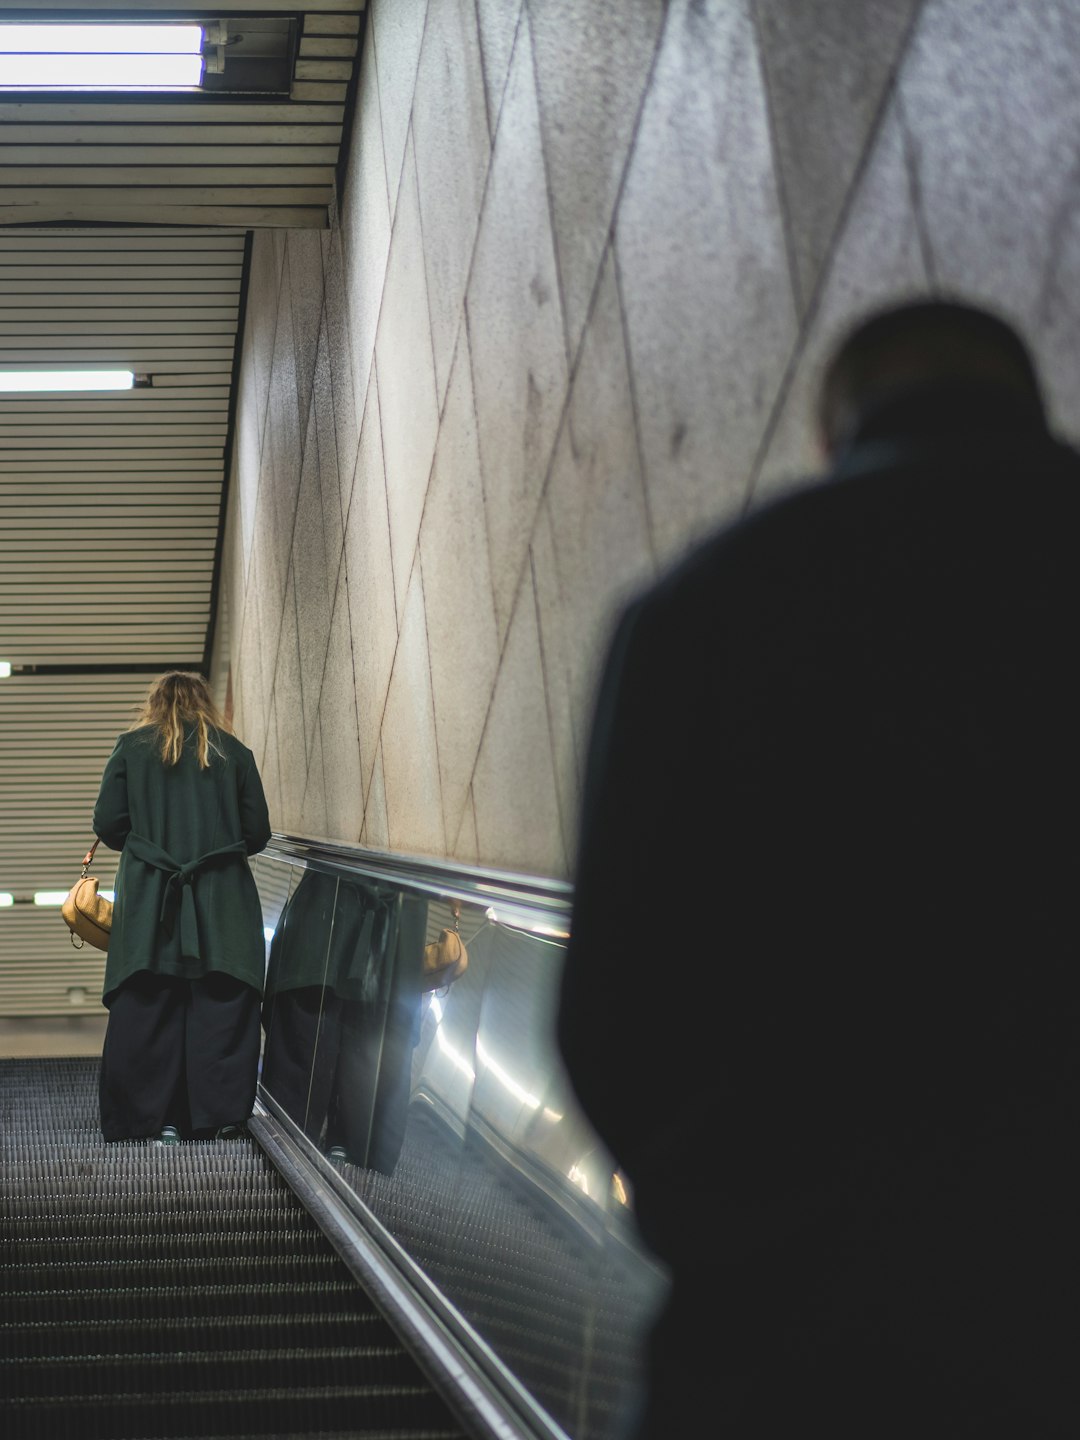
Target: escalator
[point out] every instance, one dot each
(177, 1291)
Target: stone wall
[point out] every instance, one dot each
(588, 258)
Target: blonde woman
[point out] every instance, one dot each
(181, 798)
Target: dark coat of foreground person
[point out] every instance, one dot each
(821, 995)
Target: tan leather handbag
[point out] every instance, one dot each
(445, 959)
(88, 914)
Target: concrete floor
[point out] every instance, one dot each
(30, 1037)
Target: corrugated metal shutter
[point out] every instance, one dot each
(56, 731)
(110, 503)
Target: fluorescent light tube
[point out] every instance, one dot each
(100, 57)
(6, 899)
(104, 39)
(5, 669)
(50, 897)
(22, 380)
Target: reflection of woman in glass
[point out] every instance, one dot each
(342, 1013)
(182, 799)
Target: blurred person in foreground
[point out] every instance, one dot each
(841, 740)
(181, 798)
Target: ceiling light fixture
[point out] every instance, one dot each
(6, 899)
(50, 897)
(100, 57)
(5, 669)
(26, 380)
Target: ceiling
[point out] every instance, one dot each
(125, 226)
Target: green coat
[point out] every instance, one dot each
(186, 901)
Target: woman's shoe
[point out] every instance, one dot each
(230, 1132)
(170, 1135)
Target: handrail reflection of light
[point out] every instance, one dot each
(491, 1065)
(577, 1177)
(522, 920)
(454, 1056)
(505, 1079)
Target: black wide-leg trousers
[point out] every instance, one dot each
(179, 1052)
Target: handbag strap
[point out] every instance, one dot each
(89, 856)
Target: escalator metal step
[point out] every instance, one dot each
(65, 1377)
(160, 1244)
(177, 1293)
(151, 1304)
(186, 1333)
(306, 1411)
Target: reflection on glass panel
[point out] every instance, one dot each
(292, 997)
(537, 1171)
(445, 1109)
(342, 1014)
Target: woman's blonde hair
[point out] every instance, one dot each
(177, 700)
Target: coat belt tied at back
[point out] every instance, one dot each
(178, 887)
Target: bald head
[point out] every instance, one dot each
(919, 348)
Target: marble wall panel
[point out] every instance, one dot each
(304, 268)
(559, 638)
(269, 597)
(370, 578)
(269, 770)
(340, 357)
(232, 573)
(593, 59)
(593, 547)
(282, 443)
(289, 712)
(452, 148)
(1053, 328)
(337, 726)
(708, 297)
(992, 111)
(828, 66)
(518, 825)
(376, 831)
(310, 569)
(261, 321)
(462, 634)
(406, 377)
(466, 848)
(410, 757)
(252, 695)
(365, 226)
(516, 332)
(247, 445)
(878, 259)
(330, 485)
(397, 30)
(313, 816)
(497, 22)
